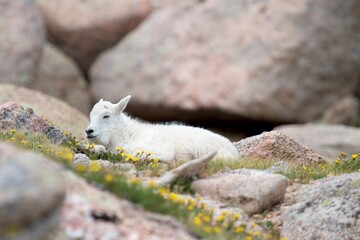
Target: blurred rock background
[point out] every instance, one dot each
(238, 66)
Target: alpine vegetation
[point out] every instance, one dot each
(112, 128)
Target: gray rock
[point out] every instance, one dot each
(60, 77)
(276, 145)
(279, 167)
(22, 37)
(56, 111)
(32, 192)
(266, 60)
(15, 116)
(325, 139)
(251, 190)
(125, 166)
(345, 111)
(81, 159)
(189, 169)
(126, 169)
(328, 209)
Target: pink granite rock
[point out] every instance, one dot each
(275, 145)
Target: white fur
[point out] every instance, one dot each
(167, 142)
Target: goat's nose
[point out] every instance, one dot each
(89, 131)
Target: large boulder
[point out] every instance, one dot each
(59, 76)
(57, 112)
(32, 193)
(326, 209)
(21, 39)
(325, 139)
(16, 117)
(83, 29)
(265, 60)
(278, 146)
(251, 190)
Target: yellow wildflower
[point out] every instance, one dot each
(216, 229)
(94, 166)
(354, 156)
(283, 238)
(123, 154)
(12, 130)
(39, 146)
(239, 230)
(248, 238)
(134, 180)
(304, 167)
(173, 197)
(152, 183)
(236, 216)
(128, 157)
(163, 190)
(206, 218)
(118, 149)
(66, 133)
(197, 221)
(337, 161)
(109, 178)
(190, 207)
(207, 229)
(220, 218)
(80, 168)
(68, 155)
(182, 201)
(134, 159)
(156, 160)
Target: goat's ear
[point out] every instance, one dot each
(121, 105)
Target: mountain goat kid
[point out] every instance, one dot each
(110, 127)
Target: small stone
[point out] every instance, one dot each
(279, 167)
(251, 190)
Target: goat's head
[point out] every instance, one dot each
(104, 119)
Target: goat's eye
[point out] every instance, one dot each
(106, 116)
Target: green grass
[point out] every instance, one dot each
(250, 163)
(344, 164)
